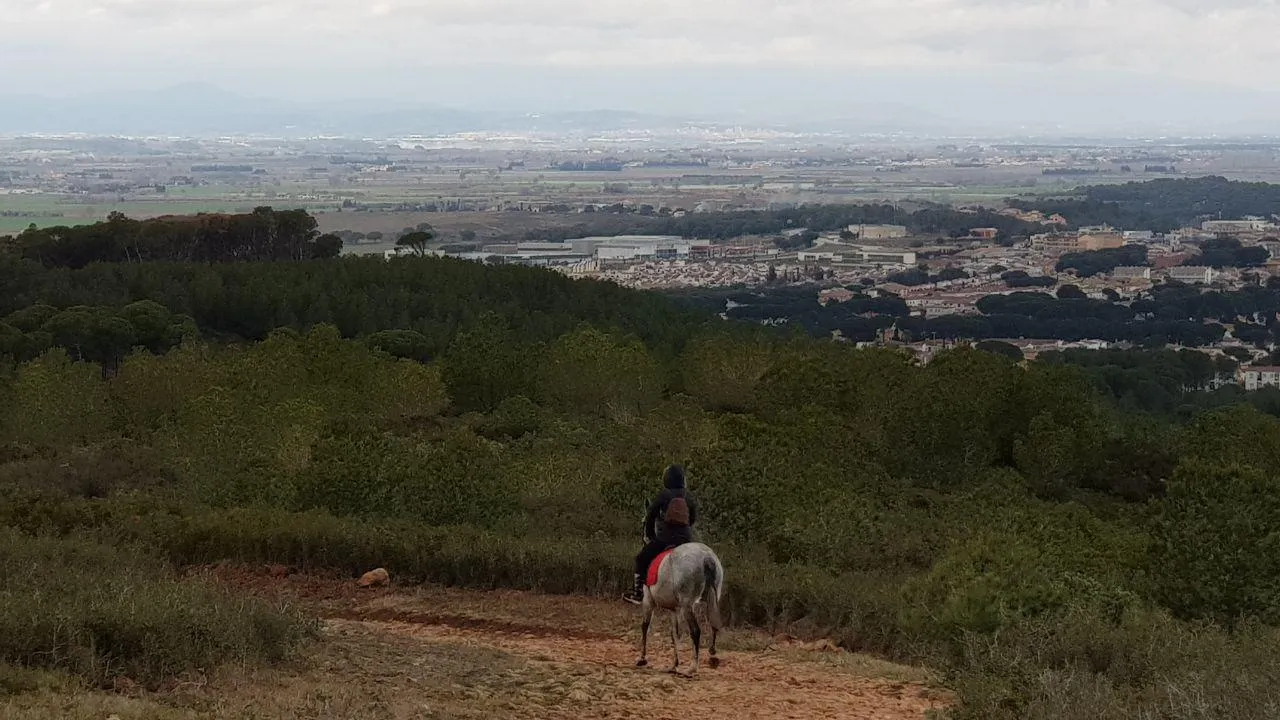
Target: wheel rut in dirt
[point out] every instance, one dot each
(464, 622)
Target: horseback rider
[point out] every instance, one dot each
(668, 523)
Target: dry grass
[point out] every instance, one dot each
(353, 673)
(103, 613)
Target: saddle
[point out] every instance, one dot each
(651, 577)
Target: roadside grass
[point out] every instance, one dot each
(101, 612)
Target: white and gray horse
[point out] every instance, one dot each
(689, 577)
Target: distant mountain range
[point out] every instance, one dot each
(924, 102)
(199, 109)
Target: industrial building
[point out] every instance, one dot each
(866, 254)
(878, 232)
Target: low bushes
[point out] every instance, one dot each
(1080, 664)
(100, 611)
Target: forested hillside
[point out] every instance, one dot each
(1161, 205)
(1054, 550)
(416, 304)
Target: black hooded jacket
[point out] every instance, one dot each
(673, 487)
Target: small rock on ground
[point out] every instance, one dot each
(374, 578)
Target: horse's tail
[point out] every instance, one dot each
(714, 575)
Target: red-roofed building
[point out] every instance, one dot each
(838, 295)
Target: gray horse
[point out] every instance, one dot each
(690, 576)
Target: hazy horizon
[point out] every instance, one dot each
(997, 66)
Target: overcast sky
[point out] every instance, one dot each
(607, 53)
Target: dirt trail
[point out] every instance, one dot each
(576, 656)
(429, 652)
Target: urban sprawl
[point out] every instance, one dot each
(873, 259)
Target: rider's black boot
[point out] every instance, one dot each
(636, 596)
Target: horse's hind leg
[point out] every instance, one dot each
(644, 634)
(695, 634)
(675, 642)
(713, 620)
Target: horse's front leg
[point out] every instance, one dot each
(644, 633)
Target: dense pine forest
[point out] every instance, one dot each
(1086, 536)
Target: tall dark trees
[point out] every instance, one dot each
(264, 234)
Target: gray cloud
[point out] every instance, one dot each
(347, 47)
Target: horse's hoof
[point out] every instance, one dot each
(641, 662)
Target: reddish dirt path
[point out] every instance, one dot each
(570, 657)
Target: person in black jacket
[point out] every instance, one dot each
(668, 523)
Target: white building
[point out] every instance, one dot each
(1131, 272)
(1236, 226)
(1191, 274)
(1259, 376)
(820, 255)
(886, 256)
(939, 305)
(545, 247)
(641, 249)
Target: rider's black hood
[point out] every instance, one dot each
(673, 477)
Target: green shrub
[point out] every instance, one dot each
(1215, 551)
(485, 364)
(100, 471)
(514, 418)
(595, 374)
(55, 402)
(722, 371)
